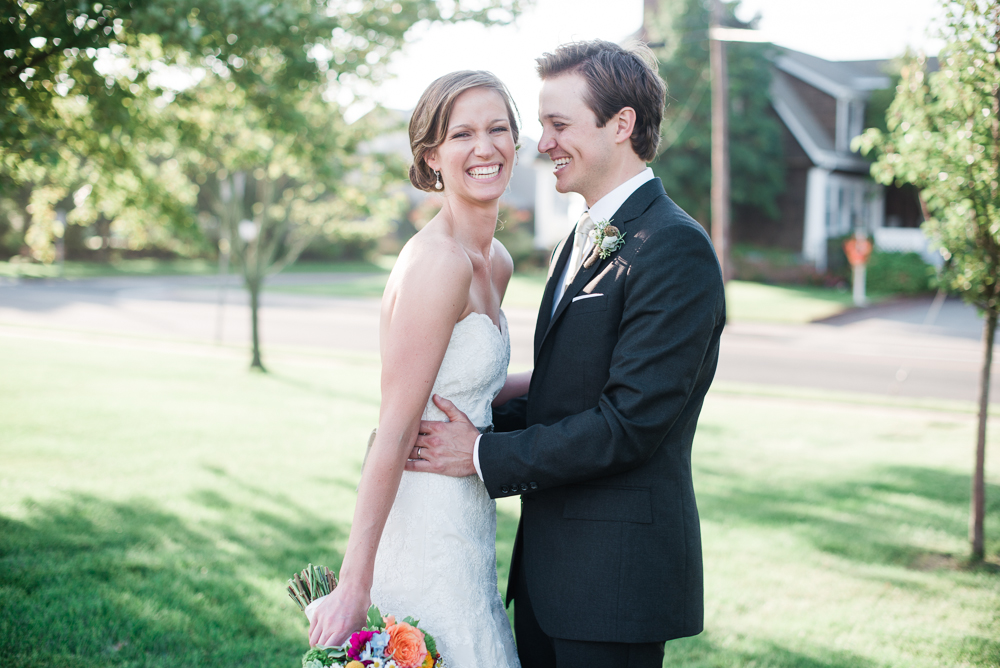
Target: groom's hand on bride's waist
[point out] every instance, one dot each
(445, 447)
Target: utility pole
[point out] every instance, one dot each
(720, 141)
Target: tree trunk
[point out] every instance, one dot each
(978, 476)
(720, 194)
(254, 288)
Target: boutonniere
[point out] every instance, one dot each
(607, 239)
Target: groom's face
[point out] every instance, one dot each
(580, 149)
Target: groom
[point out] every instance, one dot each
(607, 560)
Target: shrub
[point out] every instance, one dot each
(898, 273)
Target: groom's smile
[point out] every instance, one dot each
(579, 147)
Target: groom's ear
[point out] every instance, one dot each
(624, 122)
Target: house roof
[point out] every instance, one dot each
(852, 79)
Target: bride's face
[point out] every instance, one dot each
(477, 154)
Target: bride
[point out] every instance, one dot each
(421, 544)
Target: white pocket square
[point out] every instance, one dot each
(594, 294)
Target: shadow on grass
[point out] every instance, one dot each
(703, 652)
(870, 519)
(86, 582)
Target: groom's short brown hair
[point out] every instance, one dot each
(616, 77)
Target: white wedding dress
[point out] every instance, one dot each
(436, 561)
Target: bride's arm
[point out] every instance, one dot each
(516, 385)
(419, 312)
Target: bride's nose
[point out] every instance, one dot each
(484, 146)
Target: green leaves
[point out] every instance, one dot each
(375, 620)
(943, 136)
(90, 91)
(756, 155)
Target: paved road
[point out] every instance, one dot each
(887, 350)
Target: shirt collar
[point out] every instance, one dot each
(606, 207)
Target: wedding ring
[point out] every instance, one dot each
(418, 452)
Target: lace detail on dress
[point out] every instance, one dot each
(437, 557)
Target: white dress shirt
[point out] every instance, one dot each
(603, 209)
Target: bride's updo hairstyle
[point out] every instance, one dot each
(430, 119)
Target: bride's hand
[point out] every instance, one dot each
(339, 614)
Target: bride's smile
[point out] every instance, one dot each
(478, 149)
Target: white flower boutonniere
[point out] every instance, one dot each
(607, 239)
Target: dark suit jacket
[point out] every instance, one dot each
(600, 447)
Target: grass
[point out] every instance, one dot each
(153, 502)
(791, 304)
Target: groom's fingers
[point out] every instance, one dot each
(449, 409)
(420, 466)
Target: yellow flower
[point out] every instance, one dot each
(355, 664)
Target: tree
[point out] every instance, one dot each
(943, 137)
(83, 82)
(679, 29)
(256, 128)
(271, 191)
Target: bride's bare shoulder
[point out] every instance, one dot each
(503, 265)
(432, 260)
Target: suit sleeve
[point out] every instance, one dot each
(511, 416)
(673, 313)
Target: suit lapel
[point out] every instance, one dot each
(581, 279)
(634, 206)
(561, 253)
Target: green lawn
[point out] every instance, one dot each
(152, 504)
(776, 303)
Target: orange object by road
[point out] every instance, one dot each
(857, 250)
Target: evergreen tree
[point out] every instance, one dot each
(679, 31)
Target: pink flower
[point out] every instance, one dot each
(358, 642)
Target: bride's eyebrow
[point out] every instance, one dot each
(469, 127)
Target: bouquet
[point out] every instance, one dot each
(382, 643)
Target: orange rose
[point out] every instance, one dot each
(389, 620)
(406, 645)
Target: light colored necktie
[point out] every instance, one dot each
(580, 242)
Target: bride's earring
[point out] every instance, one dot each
(438, 186)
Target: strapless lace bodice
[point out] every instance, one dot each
(436, 560)
(474, 368)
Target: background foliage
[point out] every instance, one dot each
(91, 95)
(679, 28)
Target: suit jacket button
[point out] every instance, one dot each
(534, 485)
(505, 489)
(524, 487)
